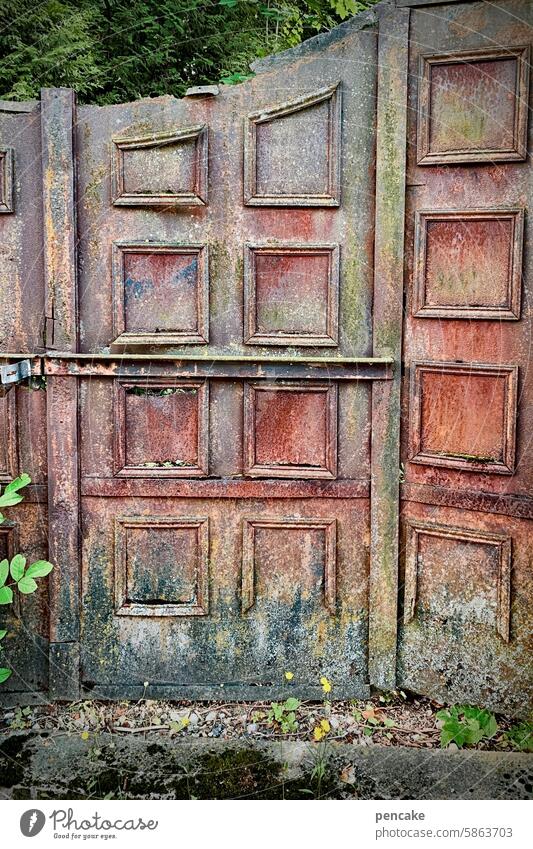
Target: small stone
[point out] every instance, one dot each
(334, 722)
(178, 715)
(194, 719)
(211, 716)
(216, 731)
(252, 728)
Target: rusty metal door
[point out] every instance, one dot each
(213, 292)
(225, 294)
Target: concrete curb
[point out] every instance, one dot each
(62, 766)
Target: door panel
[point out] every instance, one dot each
(466, 631)
(232, 541)
(230, 597)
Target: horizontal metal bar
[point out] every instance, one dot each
(189, 365)
(144, 365)
(220, 358)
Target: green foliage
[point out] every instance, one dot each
(112, 51)
(283, 715)
(519, 736)
(15, 575)
(466, 725)
(11, 494)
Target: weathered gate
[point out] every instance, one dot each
(212, 291)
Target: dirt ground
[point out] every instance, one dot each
(396, 719)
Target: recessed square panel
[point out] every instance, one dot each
(161, 169)
(291, 294)
(458, 574)
(292, 152)
(8, 440)
(464, 416)
(473, 106)
(161, 428)
(6, 179)
(469, 264)
(161, 566)
(160, 293)
(290, 430)
(287, 562)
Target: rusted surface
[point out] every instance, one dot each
(387, 340)
(213, 556)
(467, 391)
(57, 117)
(222, 400)
(241, 645)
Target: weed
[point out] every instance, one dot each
(282, 715)
(520, 737)
(465, 725)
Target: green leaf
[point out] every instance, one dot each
(4, 572)
(4, 674)
(292, 704)
(10, 495)
(10, 500)
(27, 585)
(6, 595)
(2, 634)
(1, 518)
(18, 483)
(39, 569)
(17, 567)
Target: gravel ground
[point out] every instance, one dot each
(387, 720)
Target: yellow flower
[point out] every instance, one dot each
(289, 676)
(326, 727)
(84, 735)
(185, 721)
(318, 733)
(326, 686)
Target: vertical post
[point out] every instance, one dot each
(57, 122)
(393, 47)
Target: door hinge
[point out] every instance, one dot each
(15, 372)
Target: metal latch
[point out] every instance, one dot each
(15, 372)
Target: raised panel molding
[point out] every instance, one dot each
(168, 169)
(160, 293)
(291, 294)
(290, 430)
(173, 416)
(468, 263)
(500, 543)
(8, 436)
(179, 586)
(463, 416)
(6, 179)
(329, 529)
(462, 117)
(292, 152)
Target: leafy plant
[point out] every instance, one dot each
(520, 736)
(112, 51)
(466, 725)
(16, 576)
(282, 715)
